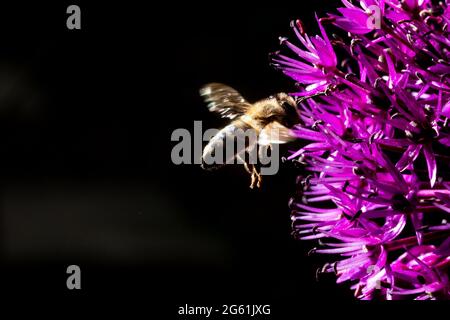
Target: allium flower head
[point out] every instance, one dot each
(375, 122)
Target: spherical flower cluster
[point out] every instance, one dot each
(374, 103)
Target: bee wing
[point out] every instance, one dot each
(275, 133)
(224, 100)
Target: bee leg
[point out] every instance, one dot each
(258, 177)
(247, 167)
(253, 174)
(250, 168)
(252, 184)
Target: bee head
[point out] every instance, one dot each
(288, 109)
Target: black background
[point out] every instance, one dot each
(86, 118)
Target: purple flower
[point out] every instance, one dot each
(317, 59)
(376, 132)
(357, 20)
(422, 272)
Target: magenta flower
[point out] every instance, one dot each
(357, 20)
(376, 132)
(317, 59)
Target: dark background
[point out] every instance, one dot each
(85, 171)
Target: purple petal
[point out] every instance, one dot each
(431, 164)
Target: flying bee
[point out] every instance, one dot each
(271, 119)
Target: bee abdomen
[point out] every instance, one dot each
(222, 148)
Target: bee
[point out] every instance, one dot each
(271, 119)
